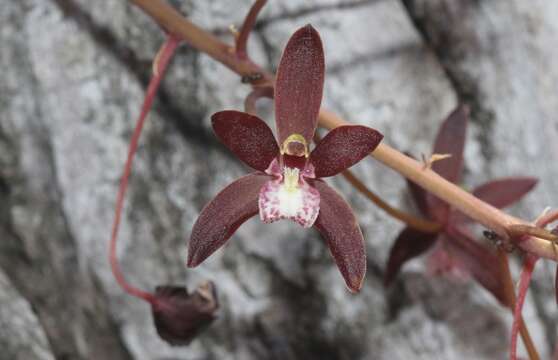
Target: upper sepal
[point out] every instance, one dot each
(337, 224)
(247, 136)
(178, 316)
(223, 215)
(451, 140)
(299, 85)
(343, 147)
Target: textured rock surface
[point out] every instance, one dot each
(73, 80)
(21, 334)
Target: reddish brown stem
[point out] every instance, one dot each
(525, 279)
(159, 67)
(257, 93)
(408, 219)
(246, 29)
(547, 218)
(510, 294)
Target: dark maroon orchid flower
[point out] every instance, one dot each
(454, 237)
(287, 183)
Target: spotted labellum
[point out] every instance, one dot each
(287, 183)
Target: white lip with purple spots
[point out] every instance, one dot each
(289, 196)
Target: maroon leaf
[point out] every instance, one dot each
(299, 85)
(504, 192)
(343, 147)
(451, 140)
(223, 215)
(499, 193)
(478, 260)
(247, 136)
(409, 244)
(339, 227)
(178, 316)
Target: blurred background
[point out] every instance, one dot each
(73, 77)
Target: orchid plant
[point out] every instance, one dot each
(457, 251)
(287, 184)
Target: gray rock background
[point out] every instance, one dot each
(74, 74)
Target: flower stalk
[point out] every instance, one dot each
(159, 66)
(178, 315)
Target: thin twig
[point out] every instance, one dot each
(257, 93)
(525, 278)
(159, 66)
(518, 230)
(510, 294)
(246, 29)
(408, 219)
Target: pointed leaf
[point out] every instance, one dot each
(247, 136)
(499, 193)
(504, 192)
(223, 215)
(339, 227)
(178, 316)
(343, 147)
(299, 85)
(409, 244)
(477, 259)
(451, 140)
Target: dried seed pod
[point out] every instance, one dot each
(178, 316)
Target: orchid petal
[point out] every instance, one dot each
(247, 136)
(409, 244)
(343, 147)
(478, 260)
(223, 215)
(504, 192)
(277, 201)
(451, 140)
(500, 193)
(339, 227)
(299, 85)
